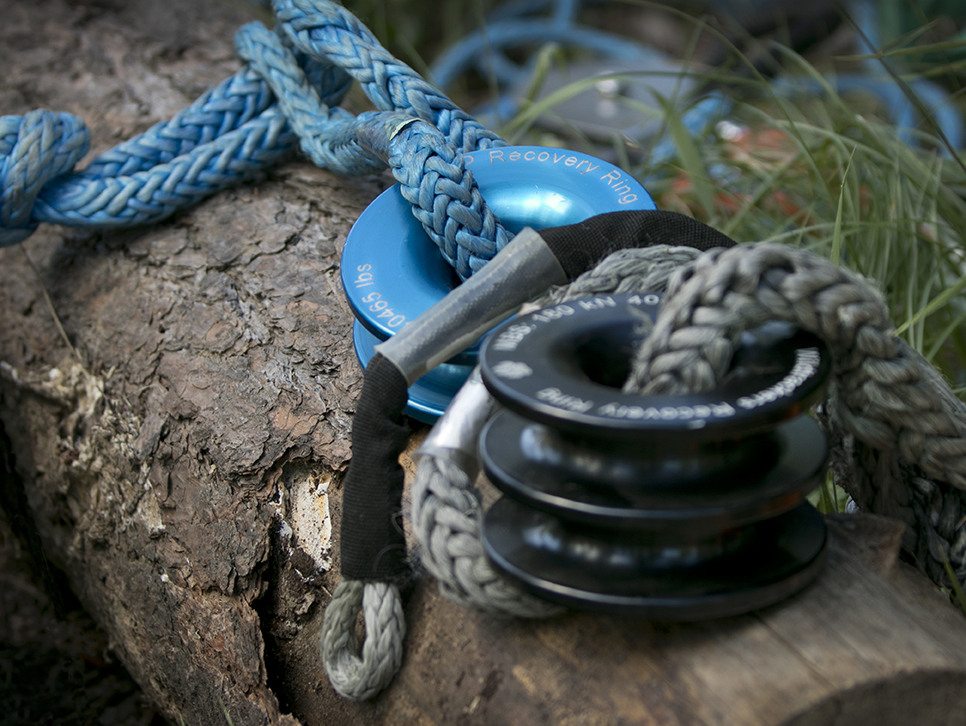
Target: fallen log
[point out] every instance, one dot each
(180, 412)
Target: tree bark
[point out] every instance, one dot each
(209, 389)
(183, 459)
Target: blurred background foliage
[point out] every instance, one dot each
(835, 127)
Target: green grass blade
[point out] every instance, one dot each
(957, 588)
(690, 157)
(935, 304)
(836, 253)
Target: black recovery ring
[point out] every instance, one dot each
(563, 366)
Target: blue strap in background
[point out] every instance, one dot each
(288, 94)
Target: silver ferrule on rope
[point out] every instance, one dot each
(521, 270)
(454, 436)
(375, 130)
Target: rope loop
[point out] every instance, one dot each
(326, 134)
(888, 396)
(323, 29)
(34, 149)
(288, 92)
(354, 677)
(225, 137)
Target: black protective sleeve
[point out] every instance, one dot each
(371, 541)
(579, 247)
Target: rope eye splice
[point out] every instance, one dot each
(286, 95)
(726, 309)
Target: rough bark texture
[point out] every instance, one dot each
(184, 465)
(212, 390)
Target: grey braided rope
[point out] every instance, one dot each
(898, 434)
(354, 677)
(625, 272)
(446, 513)
(447, 516)
(446, 508)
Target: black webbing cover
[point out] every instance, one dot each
(371, 542)
(579, 247)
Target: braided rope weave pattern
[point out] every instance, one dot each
(143, 180)
(228, 106)
(224, 138)
(433, 178)
(33, 150)
(887, 395)
(151, 195)
(326, 134)
(287, 94)
(446, 510)
(354, 677)
(898, 434)
(324, 29)
(447, 518)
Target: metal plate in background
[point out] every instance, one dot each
(627, 106)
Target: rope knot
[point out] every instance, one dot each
(34, 149)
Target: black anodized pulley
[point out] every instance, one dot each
(688, 489)
(608, 571)
(563, 366)
(672, 507)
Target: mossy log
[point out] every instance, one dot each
(179, 399)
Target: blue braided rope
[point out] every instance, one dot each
(148, 196)
(428, 165)
(203, 150)
(326, 30)
(326, 134)
(287, 94)
(34, 149)
(229, 105)
(434, 179)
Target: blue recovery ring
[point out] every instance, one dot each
(392, 272)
